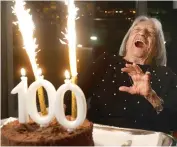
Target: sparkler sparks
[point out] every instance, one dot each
(70, 35)
(27, 28)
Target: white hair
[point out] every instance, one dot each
(161, 58)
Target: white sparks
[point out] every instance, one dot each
(26, 27)
(62, 42)
(70, 35)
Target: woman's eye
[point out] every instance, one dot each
(136, 30)
(151, 33)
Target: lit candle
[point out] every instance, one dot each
(21, 89)
(81, 104)
(31, 101)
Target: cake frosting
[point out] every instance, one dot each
(31, 134)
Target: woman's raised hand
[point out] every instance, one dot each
(141, 81)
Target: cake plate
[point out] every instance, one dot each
(115, 136)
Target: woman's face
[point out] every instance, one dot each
(141, 42)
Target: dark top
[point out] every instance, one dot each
(107, 105)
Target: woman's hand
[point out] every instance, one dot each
(141, 85)
(141, 81)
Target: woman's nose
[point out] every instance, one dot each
(142, 32)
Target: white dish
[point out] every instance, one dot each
(114, 136)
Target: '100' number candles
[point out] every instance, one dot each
(27, 102)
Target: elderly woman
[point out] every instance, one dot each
(134, 89)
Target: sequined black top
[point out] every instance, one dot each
(107, 105)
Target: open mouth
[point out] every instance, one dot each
(139, 44)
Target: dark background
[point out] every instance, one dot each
(109, 21)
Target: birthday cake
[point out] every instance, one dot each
(31, 134)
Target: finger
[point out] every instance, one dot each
(128, 65)
(135, 68)
(130, 71)
(126, 89)
(126, 69)
(148, 73)
(138, 69)
(148, 76)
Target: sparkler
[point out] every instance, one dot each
(27, 27)
(70, 36)
(72, 12)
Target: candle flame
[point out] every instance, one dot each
(67, 74)
(26, 27)
(39, 71)
(23, 72)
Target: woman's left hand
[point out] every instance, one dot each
(141, 85)
(141, 81)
